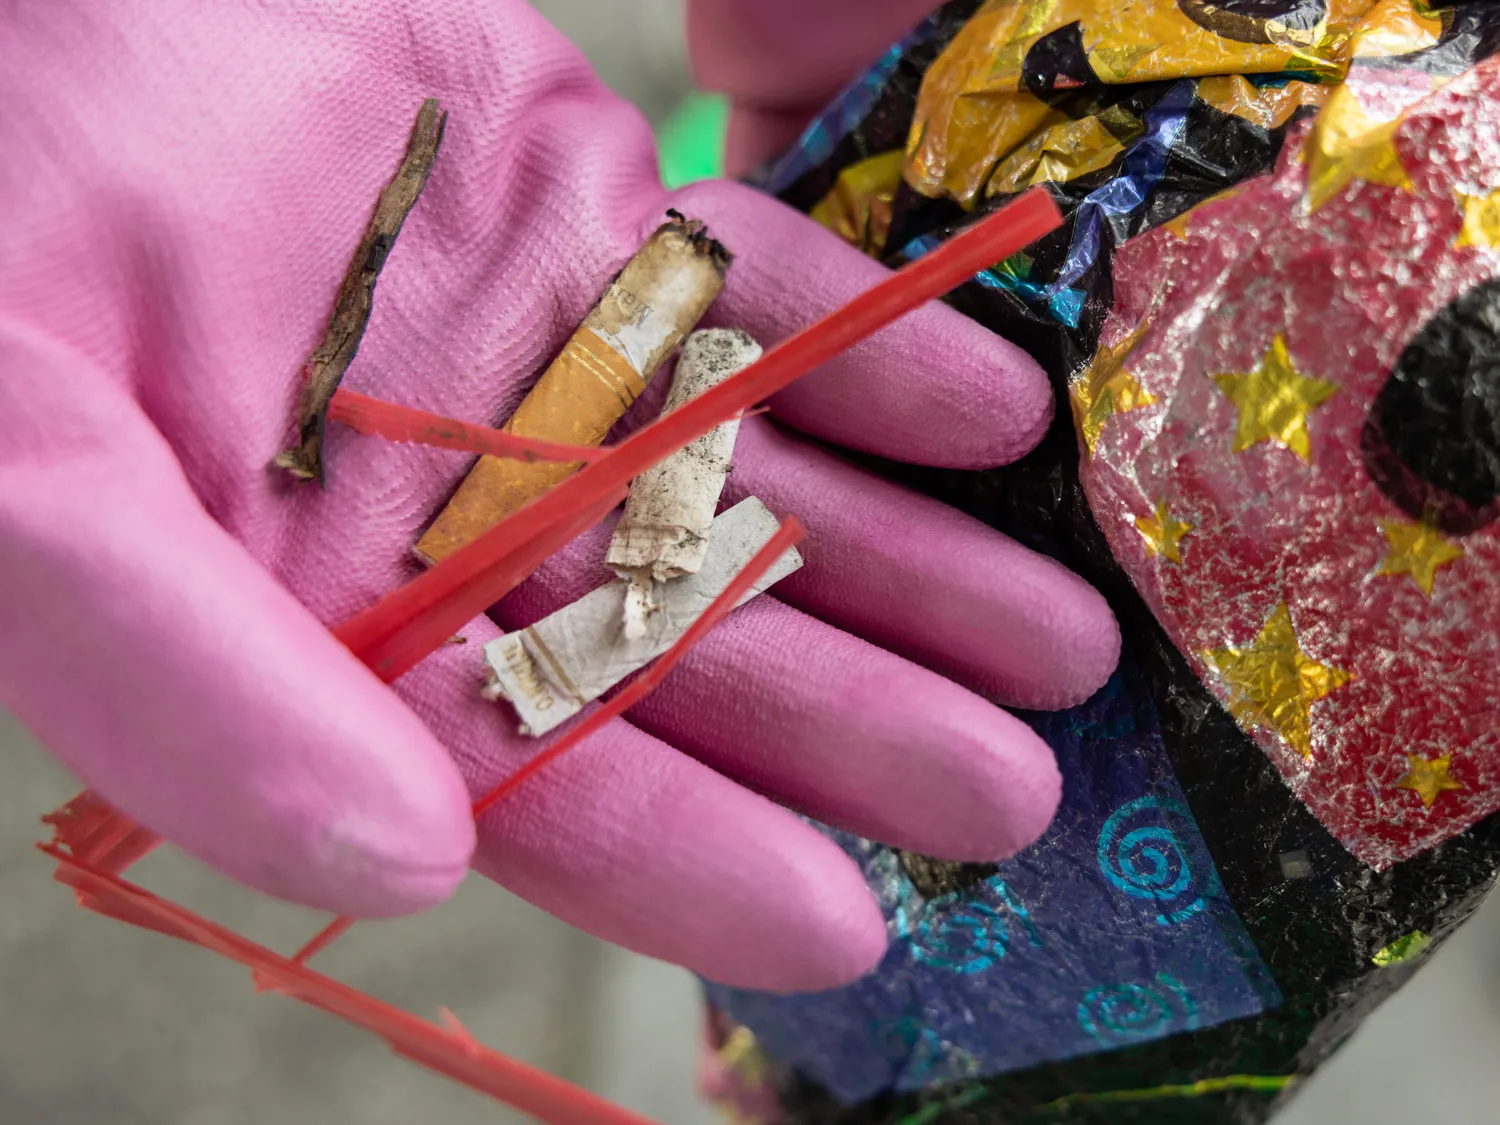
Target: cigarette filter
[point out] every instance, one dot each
(551, 670)
(663, 533)
(644, 314)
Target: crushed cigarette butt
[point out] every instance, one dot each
(663, 533)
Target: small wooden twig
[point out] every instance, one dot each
(326, 365)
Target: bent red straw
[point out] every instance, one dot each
(449, 1050)
(374, 418)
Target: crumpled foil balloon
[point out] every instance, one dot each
(1292, 444)
(1274, 311)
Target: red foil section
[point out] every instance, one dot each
(1310, 583)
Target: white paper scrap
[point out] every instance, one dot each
(550, 671)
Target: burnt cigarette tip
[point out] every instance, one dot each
(696, 232)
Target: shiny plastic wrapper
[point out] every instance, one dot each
(1274, 314)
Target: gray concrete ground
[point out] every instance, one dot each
(106, 1025)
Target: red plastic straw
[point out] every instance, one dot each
(324, 938)
(375, 418)
(438, 603)
(393, 644)
(787, 536)
(449, 1050)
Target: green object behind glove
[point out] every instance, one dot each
(690, 142)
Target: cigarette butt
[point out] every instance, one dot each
(663, 533)
(552, 670)
(657, 299)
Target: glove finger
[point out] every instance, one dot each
(934, 388)
(833, 726)
(777, 53)
(174, 676)
(641, 845)
(857, 737)
(756, 134)
(927, 581)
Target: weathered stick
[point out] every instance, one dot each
(326, 365)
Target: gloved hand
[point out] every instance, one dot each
(183, 185)
(780, 61)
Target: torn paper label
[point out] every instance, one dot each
(550, 671)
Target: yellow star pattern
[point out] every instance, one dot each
(1349, 144)
(1427, 777)
(1106, 389)
(1273, 683)
(1162, 533)
(1481, 221)
(1417, 549)
(1274, 401)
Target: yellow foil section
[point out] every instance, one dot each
(1418, 550)
(971, 111)
(1273, 400)
(1396, 27)
(1273, 683)
(1149, 40)
(1427, 777)
(1269, 107)
(1105, 389)
(1350, 145)
(1066, 151)
(858, 208)
(1163, 532)
(1481, 221)
(976, 126)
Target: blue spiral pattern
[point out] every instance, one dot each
(1141, 852)
(968, 935)
(1133, 1013)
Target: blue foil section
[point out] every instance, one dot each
(1145, 164)
(842, 116)
(1065, 305)
(1111, 930)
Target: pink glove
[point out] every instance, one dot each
(183, 185)
(781, 60)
